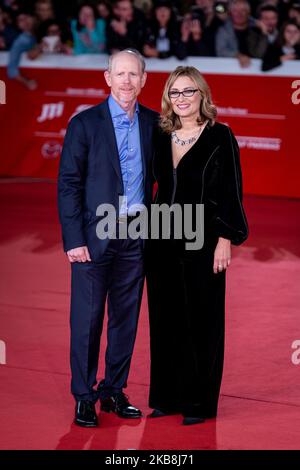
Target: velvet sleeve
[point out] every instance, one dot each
(231, 222)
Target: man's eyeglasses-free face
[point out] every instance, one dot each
(188, 93)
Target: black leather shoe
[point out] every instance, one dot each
(120, 405)
(85, 414)
(188, 420)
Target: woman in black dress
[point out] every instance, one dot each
(196, 162)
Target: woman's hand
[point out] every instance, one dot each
(222, 255)
(286, 57)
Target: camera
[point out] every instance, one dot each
(221, 7)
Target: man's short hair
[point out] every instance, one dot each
(131, 51)
(267, 8)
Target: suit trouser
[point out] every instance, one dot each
(119, 278)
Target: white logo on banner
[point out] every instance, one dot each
(296, 94)
(51, 111)
(2, 352)
(245, 113)
(79, 93)
(296, 354)
(2, 92)
(259, 143)
(51, 149)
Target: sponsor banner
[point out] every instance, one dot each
(263, 112)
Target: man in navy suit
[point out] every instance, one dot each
(106, 158)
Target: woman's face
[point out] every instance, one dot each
(163, 15)
(186, 107)
(103, 10)
(86, 14)
(53, 30)
(291, 35)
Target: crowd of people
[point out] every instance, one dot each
(241, 29)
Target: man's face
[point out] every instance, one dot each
(124, 10)
(239, 13)
(25, 22)
(270, 19)
(44, 11)
(125, 78)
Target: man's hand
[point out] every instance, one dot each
(80, 254)
(185, 30)
(196, 30)
(263, 28)
(222, 255)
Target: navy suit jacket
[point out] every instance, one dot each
(90, 174)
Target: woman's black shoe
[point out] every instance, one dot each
(187, 420)
(156, 413)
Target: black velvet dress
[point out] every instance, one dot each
(186, 299)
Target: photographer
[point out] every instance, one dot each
(191, 42)
(215, 15)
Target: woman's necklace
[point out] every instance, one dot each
(189, 141)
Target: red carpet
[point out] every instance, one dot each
(260, 401)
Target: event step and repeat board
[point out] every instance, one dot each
(263, 109)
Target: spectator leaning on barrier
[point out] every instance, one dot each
(162, 32)
(286, 47)
(24, 42)
(88, 31)
(238, 37)
(126, 28)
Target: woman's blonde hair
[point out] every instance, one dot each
(169, 121)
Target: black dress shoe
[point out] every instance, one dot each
(85, 414)
(188, 420)
(120, 405)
